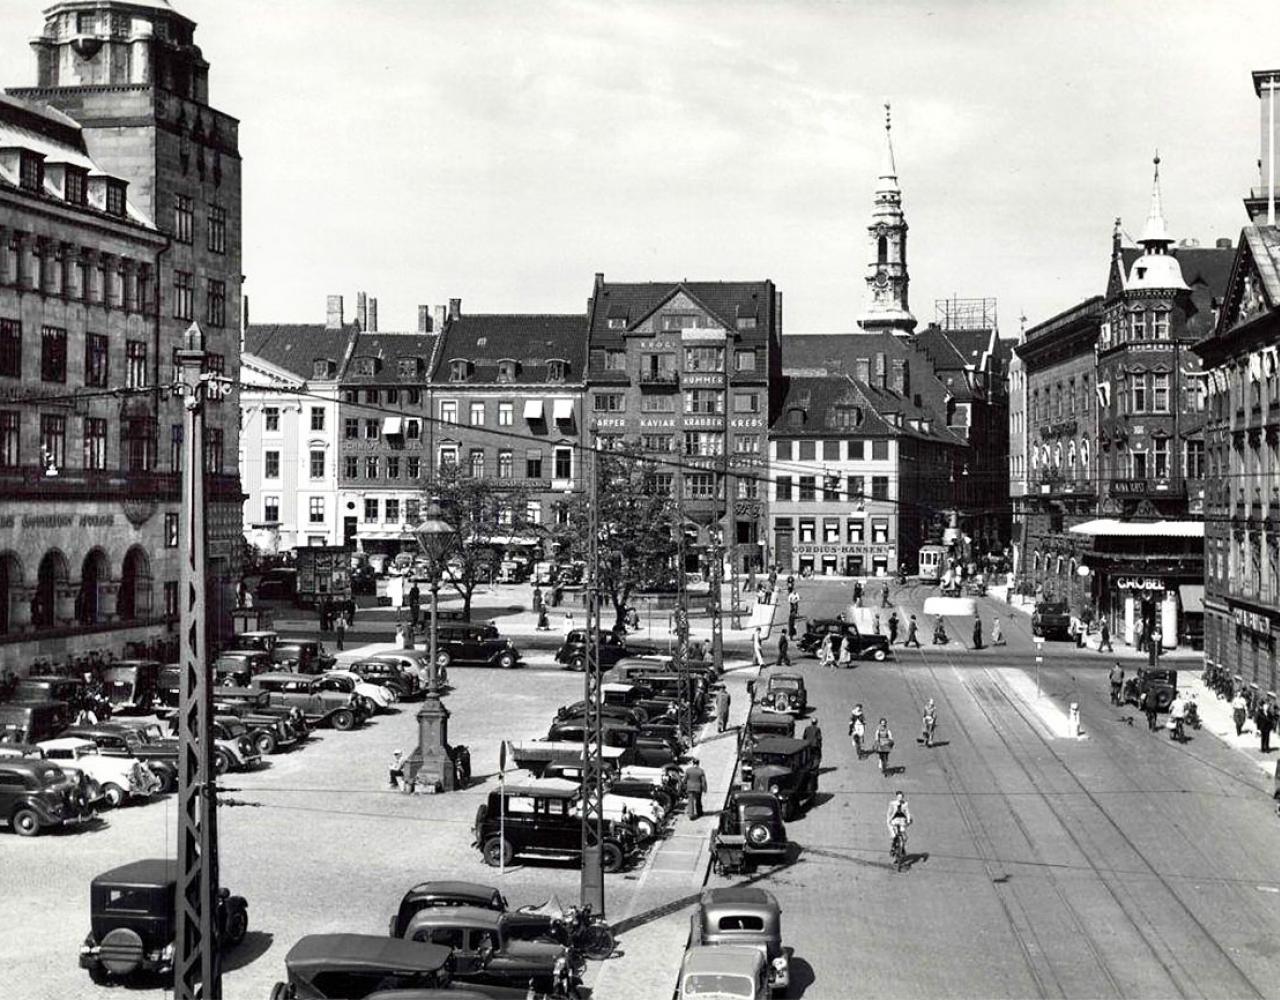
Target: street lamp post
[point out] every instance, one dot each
(430, 764)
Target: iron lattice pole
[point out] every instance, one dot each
(196, 969)
(682, 612)
(592, 881)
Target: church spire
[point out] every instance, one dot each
(887, 279)
(1155, 234)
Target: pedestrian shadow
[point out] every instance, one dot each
(934, 745)
(909, 861)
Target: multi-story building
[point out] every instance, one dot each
(1017, 455)
(88, 514)
(687, 371)
(289, 425)
(1058, 360)
(858, 475)
(130, 75)
(507, 396)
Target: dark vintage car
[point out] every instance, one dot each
(649, 751)
(1161, 684)
(279, 584)
(786, 693)
(131, 685)
(34, 721)
(613, 647)
(132, 921)
(445, 893)
(168, 689)
(862, 645)
(37, 688)
(302, 656)
(474, 645)
(319, 706)
(751, 822)
(404, 683)
(255, 710)
(613, 713)
(116, 740)
(356, 966)
(1052, 620)
(746, 916)
(542, 822)
(484, 953)
(763, 722)
(784, 767)
(238, 667)
(263, 640)
(37, 794)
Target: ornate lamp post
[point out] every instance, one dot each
(430, 764)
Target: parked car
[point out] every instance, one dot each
(744, 916)
(483, 953)
(279, 584)
(573, 651)
(1052, 620)
(263, 640)
(786, 768)
(254, 708)
(42, 688)
(268, 735)
(132, 921)
(763, 721)
(116, 740)
(238, 667)
(445, 893)
(131, 686)
(302, 656)
(724, 971)
(786, 693)
(233, 745)
(641, 812)
(405, 684)
(753, 821)
(356, 966)
(474, 644)
(348, 682)
(542, 822)
(651, 751)
(38, 794)
(33, 721)
(118, 778)
(862, 645)
(1160, 683)
(320, 706)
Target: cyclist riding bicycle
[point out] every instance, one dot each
(898, 819)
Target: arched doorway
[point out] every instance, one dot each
(53, 576)
(10, 580)
(94, 572)
(135, 586)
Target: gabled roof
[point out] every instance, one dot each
(531, 339)
(635, 302)
(295, 346)
(1253, 289)
(387, 349)
(821, 397)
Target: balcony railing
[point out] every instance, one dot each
(659, 380)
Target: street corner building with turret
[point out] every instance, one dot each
(120, 227)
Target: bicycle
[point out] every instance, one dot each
(898, 849)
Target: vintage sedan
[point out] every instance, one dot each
(786, 692)
(355, 966)
(643, 813)
(132, 921)
(862, 645)
(724, 971)
(763, 721)
(445, 893)
(119, 778)
(746, 916)
(116, 740)
(131, 685)
(404, 683)
(749, 829)
(784, 767)
(348, 682)
(36, 794)
(319, 705)
(541, 822)
(302, 656)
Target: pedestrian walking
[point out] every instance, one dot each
(929, 722)
(893, 628)
(884, 597)
(1104, 640)
(1116, 677)
(1139, 636)
(537, 597)
(1177, 719)
(875, 624)
(351, 612)
(1153, 645)
(757, 649)
(1147, 702)
(829, 650)
(722, 709)
(913, 634)
(395, 773)
(997, 633)
(939, 632)
(340, 628)
(1265, 720)
(543, 624)
(857, 728)
(846, 654)
(415, 604)
(882, 742)
(1239, 711)
(784, 660)
(695, 783)
(977, 632)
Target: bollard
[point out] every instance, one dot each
(1073, 721)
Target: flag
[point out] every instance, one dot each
(1255, 367)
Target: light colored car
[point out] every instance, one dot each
(646, 813)
(352, 683)
(119, 778)
(745, 916)
(724, 970)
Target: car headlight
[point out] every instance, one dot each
(780, 963)
(774, 789)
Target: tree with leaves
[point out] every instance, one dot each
(482, 513)
(635, 513)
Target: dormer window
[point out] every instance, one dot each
(31, 171)
(365, 366)
(115, 198)
(746, 317)
(557, 370)
(459, 370)
(408, 367)
(795, 417)
(323, 368)
(76, 189)
(617, 323)
(848, 416)
(507, 370)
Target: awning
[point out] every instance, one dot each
(512, 540)
(563, 410)
(1192, 597)
(384, 535)
(1105, 526)
(703, 335)
(392, 425)
(533, 409)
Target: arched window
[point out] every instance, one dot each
(135, 586)
(882, 250)
(52, 575)
(10, 581)
(94, 572)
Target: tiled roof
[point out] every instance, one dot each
(821, 397)
(1206, 270)
(529, 339)
(1264, 249)
(295, 346)
(387, 349)
(727, 301)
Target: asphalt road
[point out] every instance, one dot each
(1121, 865)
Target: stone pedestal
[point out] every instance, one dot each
(430, 766)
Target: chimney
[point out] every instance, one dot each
(439, 315)
(599, 279)
(455, 308)
(333, 313)
(899, 380)
(882, 371)
(862, 370)
(1224, 243)
(373, 315)
(362, 310)
(424, 319)
(244, 313)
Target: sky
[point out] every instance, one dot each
(504, 152)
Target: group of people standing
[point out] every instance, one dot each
(881, 743)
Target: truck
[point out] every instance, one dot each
(323, 571)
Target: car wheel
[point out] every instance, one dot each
(788, 811)
(344, 719)
(645, 828)
(611, 857)
(221, 763)
(597, 942)
(114, 795)
(664, 801)
(280, 991)
(497, 851)
(26, 823)
(507, 660)
(98, 975)
(878, 655)
(443, 658)
(237, 927)
(758, 834)
(266, 743)
(577, 663)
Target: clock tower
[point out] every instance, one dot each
(887, 279)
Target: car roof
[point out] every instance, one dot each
(65, 743)
(317, 952)
(283, 675)
(261, 631)
(545, 793)
(243, 652)
(51, 678)
(730, 959)
(454, 916)
(147, 872)
(778, 676)
(738, 895)
(745, 795)
(779, 744)
(30, 764)
(444, 887)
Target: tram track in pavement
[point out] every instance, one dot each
(1165, 954)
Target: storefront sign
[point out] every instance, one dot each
(6, 521)
(746, 422)
(611, 421)
(715, 379)
(48, 520)
(1251, 620)
(866, 549)
(1139, 583)
(97, 520)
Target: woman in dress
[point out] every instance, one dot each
(846, 655)
(883, 743)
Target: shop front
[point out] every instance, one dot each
(835, 559)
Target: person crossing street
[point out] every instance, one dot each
(977, 632)
(913, 637)
(1116, 677)
(784, 660)
(893, 628)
